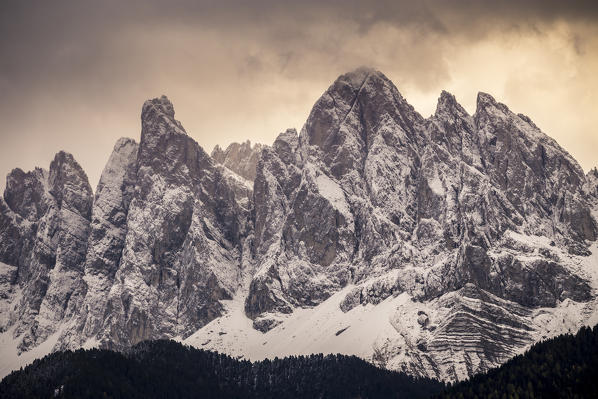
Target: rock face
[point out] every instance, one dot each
(470, 233)
(591, 187)
(108, 231)
(372, 186)
(46, 217)
(372, 194)
(183, 244)
(240, 158)
(153, 256)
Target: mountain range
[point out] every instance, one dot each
(439, 246)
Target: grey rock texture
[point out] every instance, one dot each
(240, 158)
(47, 216)
(150, 256)
(370, 185)
(484, 223)
(182, 246)
(370, 189)
(106, 241)
(591, 187)
(483, 330)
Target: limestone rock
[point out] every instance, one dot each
(474, 234)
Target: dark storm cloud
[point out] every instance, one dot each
(67, 36)
(73, 74)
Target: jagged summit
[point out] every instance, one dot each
(349, 85)
(351, 116)
(484, 99)
(160, 105)
(487, 104)
(67, 180)
(23, 192)
(358, 76)
(447, 104)
(157, 117)
(123, 141)
(439, 246)
(286, 140)
(240, 158)
(446, 99)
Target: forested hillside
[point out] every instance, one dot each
(562, 367)
(167, 369)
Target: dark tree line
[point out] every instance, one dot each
(561, 367)
(167, 369)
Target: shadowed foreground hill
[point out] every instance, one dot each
(166, 369)
(562, 367)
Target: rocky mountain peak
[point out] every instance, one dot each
(122, 143)
(374, 232)
(177, 255)
(241, 158)
(336, 104)
(358, 76)
(25, 192)
(116, 179)
(358, 110)
(159, 105)
(68, 183)
(49, 247)
(487, 108)
(286, 145)
(217, 153)
(288, 137)
(447, 104)
(485, 99)
(157, 117)
(426, 206)
(446, 100)
(519, 158)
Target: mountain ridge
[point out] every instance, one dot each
(445, 222)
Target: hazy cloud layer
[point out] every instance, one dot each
(73, 75)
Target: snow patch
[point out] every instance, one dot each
(435, 185)
(11, 360)
(330, 190)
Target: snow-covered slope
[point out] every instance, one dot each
(440, 246)
(446, 337)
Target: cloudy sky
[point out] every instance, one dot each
(74, 74)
